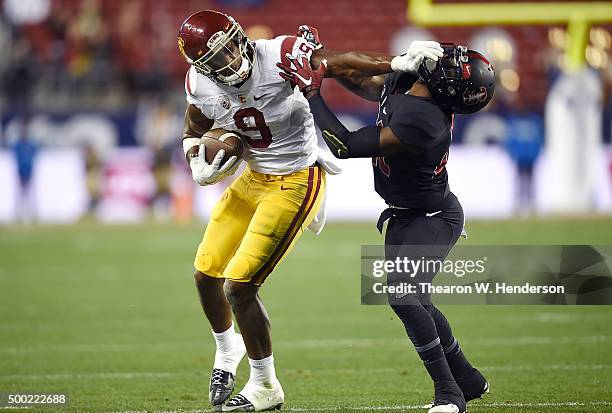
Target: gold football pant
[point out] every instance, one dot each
(256, 223)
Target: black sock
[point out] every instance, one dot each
(422, 332)
(457, 361)
(439, 371)
(442, 326)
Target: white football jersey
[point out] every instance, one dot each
(274, 118)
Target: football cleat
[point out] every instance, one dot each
(448, 399)
(222, 382)
(256, 398)
(443, 406)
(474, 386)
(221, 386)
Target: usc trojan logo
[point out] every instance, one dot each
(181, 46)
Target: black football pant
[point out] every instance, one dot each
(424, 235)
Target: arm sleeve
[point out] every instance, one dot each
(363, 143)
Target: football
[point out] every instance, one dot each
(216, 139)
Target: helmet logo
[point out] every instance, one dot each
(181, 46)
(473, 97)
(225, 102)
(466, 71)
(227, 26)
(214, 39)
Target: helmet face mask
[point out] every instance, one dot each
(217, 47)
(462, 81)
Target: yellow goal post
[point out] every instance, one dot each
(579, 16)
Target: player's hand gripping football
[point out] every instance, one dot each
(204, 173)
(417, 52)
(303, 76)
(311, 35)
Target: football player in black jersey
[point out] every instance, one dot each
(409, 146)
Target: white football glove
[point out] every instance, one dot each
(418, 50)
(204, 173)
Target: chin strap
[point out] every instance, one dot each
(236, 77)
(243, 71)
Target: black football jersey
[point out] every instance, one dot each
(407, 179)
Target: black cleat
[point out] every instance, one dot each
(221, 387)
(449, 399)
(473, 386)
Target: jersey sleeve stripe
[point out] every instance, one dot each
(188, 83)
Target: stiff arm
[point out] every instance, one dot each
(361, 73)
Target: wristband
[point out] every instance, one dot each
(397, 64)
(189, 143)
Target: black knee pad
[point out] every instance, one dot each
(406, 307)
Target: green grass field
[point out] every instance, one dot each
(110, 315)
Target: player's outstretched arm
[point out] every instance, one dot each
(360, 72)
(362, 64)
(368, 88)
(365, 142)
(343, 64)
(352, 64)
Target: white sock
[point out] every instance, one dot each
(262, 371)
(226, 340)
(227, 355)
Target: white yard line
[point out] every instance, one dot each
(478, 406)
(314, 343)
(385, 370)
(96, 376)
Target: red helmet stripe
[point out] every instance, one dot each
(479, 56)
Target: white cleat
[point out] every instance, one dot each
(445, 408)
(257, 398)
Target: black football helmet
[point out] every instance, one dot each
(462, 81)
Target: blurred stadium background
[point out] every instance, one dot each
(96, 89)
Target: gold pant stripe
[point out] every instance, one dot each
(314, 185)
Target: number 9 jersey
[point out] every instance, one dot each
(273, 118)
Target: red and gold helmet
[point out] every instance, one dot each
(215, 44)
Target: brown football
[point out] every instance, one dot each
(217, 139)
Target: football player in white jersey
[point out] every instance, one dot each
(235, 84)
